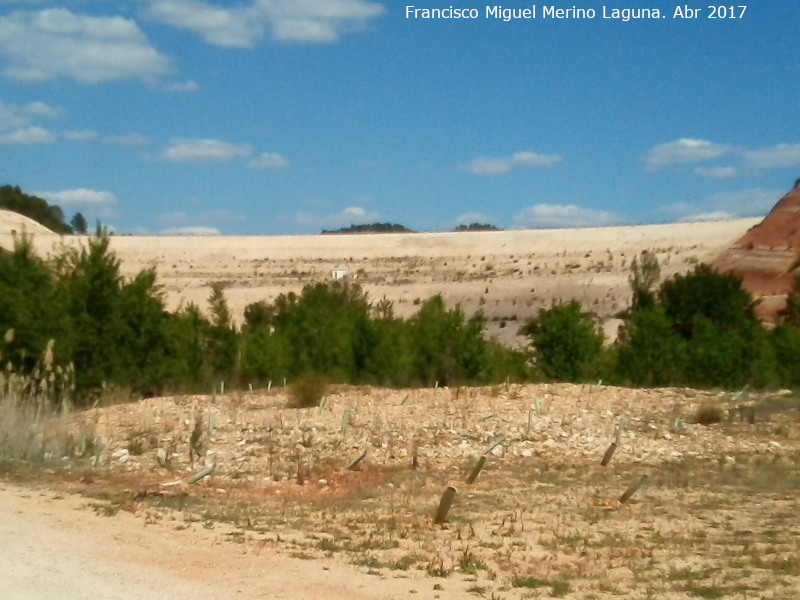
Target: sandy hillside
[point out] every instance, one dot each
(11, 222)
(508, 274)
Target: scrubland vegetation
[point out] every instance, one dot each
(698, 329)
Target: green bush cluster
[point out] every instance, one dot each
(699, 329)
(333, 330)
(116, 332)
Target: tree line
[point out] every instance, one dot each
(51, 216)
(696, 329)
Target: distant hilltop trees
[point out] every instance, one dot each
(477, 227)
(396, 228)
(49, 215)
(371, 228)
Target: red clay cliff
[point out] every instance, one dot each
(767, 257)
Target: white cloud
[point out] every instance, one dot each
(717, 172)
(80, 196)
(130, 139)
(684, 151)
(28, 136)
(245, 25)
(218, 26)
(37, 46)
(15, 117)
(204, 151)
(353, 215)
(782, 155)
(754, 202)
(182, 87)
(745, 203)
(40, 109)
(269, 160)
(559, 215)
(198, 230)
(503, 165)
(180, 220)
(719, 215)
(81, 136)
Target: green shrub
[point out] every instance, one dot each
(649, 352)
(786, 345)
(716, 297)
(708, 414)
(566, 342)
(307, 392)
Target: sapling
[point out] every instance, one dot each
(354, 463)
(494, 445)
(634, 487)
(204, 473)
(476, 469)
(345, 421)
(444, 505)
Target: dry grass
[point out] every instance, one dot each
(35, 426)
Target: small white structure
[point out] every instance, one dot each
(339, 273)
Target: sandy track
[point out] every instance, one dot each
(55, 546)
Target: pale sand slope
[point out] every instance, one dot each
(507, 274)
(11, 221)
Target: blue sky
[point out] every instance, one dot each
(290, 116)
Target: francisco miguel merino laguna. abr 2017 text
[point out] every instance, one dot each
(550, 11)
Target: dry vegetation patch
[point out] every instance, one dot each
(543, 518)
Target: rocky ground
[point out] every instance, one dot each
(715, 517)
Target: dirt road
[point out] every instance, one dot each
(56, 546)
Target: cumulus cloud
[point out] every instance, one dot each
(80, 196)
(81, 136)
(28, 136)
(269, 160)
(46, 44)
(560, 215)
(684, 151)
(717, 172)
(717, 215)
(130, 139)
(15, 117)
(245, 25)
(183, 223)
(353, 215)
(782, 155)
(182, 87)
(503, 165)
(191, 231)
(40, 109)
(754, 202)
(204, 151)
